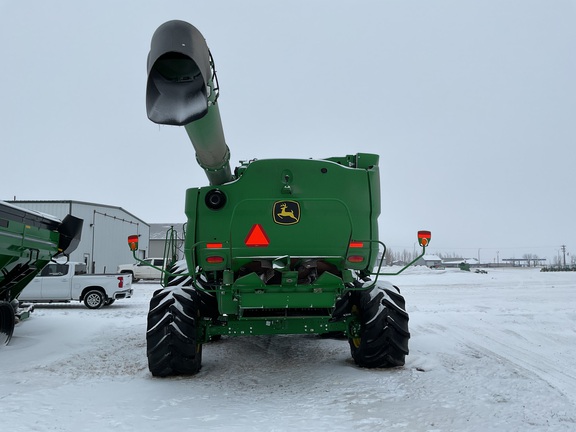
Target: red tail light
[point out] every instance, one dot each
(355, 244)
(120, 281)
(214, 260)
(355, 259)
(214, 245)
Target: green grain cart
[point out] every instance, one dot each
(28, 241)
(280, 246)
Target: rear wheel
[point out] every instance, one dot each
(94, 299)
(172, 336)
(7, 322)
(179, 277)
(379, 336)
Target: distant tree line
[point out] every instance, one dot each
(406, 256)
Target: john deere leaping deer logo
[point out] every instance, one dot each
(286, 212)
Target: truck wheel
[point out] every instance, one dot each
(7, 322)
(172, 335)
(94, 299)
(379, 336)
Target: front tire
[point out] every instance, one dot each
(379, 336)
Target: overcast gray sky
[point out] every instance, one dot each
(471, 105)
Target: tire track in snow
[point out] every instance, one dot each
(538, 354)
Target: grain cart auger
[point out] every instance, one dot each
(28, 241)
(280, 246)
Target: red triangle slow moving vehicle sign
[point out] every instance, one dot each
(257, 237)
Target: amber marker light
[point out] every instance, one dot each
(424, 238)
(133, 242)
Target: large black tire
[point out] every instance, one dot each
(208, 305)
(381, 339)
(7, 322)
(173, 345)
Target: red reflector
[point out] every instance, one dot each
(424, 234)
(257, 237)
(356, 244)
(120, 281)
(214, 260)
(214, 245)
(355, 258)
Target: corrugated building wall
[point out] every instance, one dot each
(104, 234)
(158, 239)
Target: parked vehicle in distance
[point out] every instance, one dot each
(64, 282)
(143, 270)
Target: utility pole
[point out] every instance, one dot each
(563, 247)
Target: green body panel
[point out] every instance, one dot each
(337, 203)
(21, 244)
(261, 326)
(336, 206)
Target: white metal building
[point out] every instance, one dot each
(105, 231)
(158, 239)
(429, 260)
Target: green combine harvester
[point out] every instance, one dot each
(279, 246)
(28, 241)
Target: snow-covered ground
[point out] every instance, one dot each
(489, 352)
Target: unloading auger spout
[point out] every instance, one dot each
(182, 90)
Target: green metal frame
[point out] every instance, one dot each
(238, 325)
(192, 274)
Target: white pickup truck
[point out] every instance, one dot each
(63, 282)
(142, 270)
